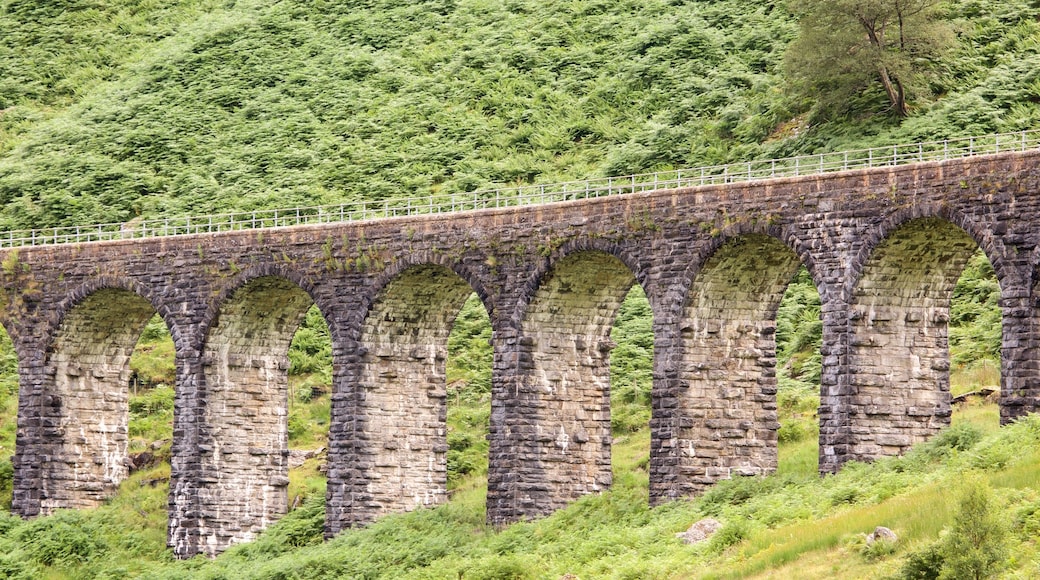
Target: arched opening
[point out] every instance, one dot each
(85, 455)
(729, 333)
(799, 331)
(405, 343)
(8, 408)
(899, 348)
(244, 459)
(976, 332)
(468, 377)
(309, 407)
(565, 373)
(631, 386)
(153, 376)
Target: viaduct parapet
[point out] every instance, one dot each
(884, 247)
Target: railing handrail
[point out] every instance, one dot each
(802, 165)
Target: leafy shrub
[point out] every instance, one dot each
(15, 566)
(508, 567)
(923, 564)
(846, 494)
(6, 488)
(311, 348)
(152, 401)
(736, 491)
(8, 522)
(975, 547)
(66, 538)
(878, 549)
(731, 532)
(1026, 521)
(297, 424)
(959, 437)
(793, 430)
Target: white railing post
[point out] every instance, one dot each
(1023, 140)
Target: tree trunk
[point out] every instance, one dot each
(894, 89)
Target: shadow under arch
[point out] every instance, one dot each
(899, 312)
(244, 408)
(400, 393)
(82, 456)
(982, 238)
(724, 421)
(551, 413)
(787, 237)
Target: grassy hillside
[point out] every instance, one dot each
(792, 519)
(114, 109)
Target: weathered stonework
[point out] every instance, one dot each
(883, 246)
(729, 361)
(244, 448)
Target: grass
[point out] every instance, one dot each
(114, 110)
(917, 517)
(979, 374)
(615, 535)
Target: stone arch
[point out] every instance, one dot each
(991, 245)
(267, 270)
(85, 395)
(898, 353)
(786, 236)
(558, 410)
(726, 419)
(432, 259)
(401, 387)
(244, 407)
(545, 268)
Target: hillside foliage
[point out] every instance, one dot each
(111, 110)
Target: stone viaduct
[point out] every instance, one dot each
(884, 247)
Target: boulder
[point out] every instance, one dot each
(700, 531)
(882, 534)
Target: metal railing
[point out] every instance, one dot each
(534, 194)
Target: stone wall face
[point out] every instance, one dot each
(564, 368)
(883, 246)
(899, 356)
(244, 451)
(404, 348)
(729, 361)
(90, 401)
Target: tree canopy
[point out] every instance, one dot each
(847, 46)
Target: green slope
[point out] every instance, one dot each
(768, 523)
(117, 109)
